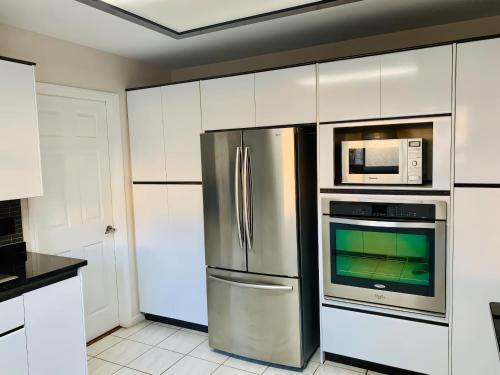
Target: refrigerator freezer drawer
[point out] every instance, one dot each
(255, 316)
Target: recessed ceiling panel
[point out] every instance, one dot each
(186, 15)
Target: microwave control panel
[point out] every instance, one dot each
(414, 167)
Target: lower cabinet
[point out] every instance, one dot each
(400, 343)
(170, 251)
(13, 358)
(55, 329)
(476, 281)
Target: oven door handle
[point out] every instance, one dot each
(384, 224)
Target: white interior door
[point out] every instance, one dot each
(71, 218)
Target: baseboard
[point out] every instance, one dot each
(132, 321)
(176, 322)
(372, 366)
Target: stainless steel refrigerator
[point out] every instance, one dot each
(261, 246)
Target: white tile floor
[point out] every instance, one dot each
(155, 348)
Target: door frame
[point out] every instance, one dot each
(126, 279)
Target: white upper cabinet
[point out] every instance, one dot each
(145, 118)
(20, 167)
(182, 122)
(286, 96)
(349, 89)
(417, 82)
(228, 103)
(478, 112)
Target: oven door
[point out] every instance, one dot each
(374, 162)
(393, 263)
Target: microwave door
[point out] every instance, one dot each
(374, 162)
(222, 200)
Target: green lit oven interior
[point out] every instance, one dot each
(383, 256)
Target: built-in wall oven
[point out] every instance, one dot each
(386, 252)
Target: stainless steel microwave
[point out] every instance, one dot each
(382, 161)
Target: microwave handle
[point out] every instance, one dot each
(384, 224)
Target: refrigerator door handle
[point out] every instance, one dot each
(284, 288)
(237, 186)
(247, 198)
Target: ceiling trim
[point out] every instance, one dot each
(144, 22)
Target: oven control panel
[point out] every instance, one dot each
(408, 211)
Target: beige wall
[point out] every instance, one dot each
(367, 45)
(70, 64)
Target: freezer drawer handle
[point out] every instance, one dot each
(253, 286)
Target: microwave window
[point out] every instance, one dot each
(374, 160)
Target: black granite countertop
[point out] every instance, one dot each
(37, 271)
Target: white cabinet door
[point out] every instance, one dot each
(182, 119)
(228, 103)
(186, 253)
(476, 281)
(19, 143)
(478, 112)
(416, 82)
(170, 251)
(55, 329)
(349, 89)
(147, 149)
(326, 156)
(151, 236)
(286, 96)
(13, 355)
(400, 343)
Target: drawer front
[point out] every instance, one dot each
(13, 354)
(12, 313)
(389, 341)
(246, 316)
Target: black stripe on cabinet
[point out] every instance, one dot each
(486, 186)
(11, 331)
(371, 366)
(384, 192)
(167, 182)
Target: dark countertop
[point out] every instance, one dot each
(495, 315)
(37, 271)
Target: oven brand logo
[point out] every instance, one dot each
(379, 296)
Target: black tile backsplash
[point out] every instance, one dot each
(11, 209)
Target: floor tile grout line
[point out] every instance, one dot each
(116, 343)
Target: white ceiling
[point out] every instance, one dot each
(76, 22)
(183, 15)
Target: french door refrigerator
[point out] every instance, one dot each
(259, 196)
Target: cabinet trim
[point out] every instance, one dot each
(24, 62)
(355, 56)
(387, 118)
(167, 183)
(371, 366)
(11, 331)
(478, 185)
(384, 192)
(400, 317)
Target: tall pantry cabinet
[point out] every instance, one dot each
(476, 258)
(165, 127)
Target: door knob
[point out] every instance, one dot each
(110, 229)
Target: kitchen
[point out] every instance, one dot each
(319, 206)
